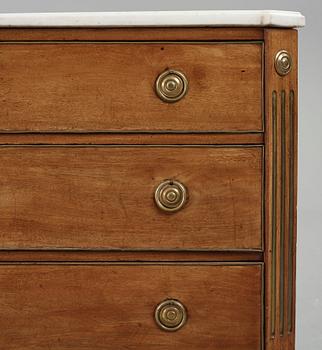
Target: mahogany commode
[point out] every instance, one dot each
(148, 180)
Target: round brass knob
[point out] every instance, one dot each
(170, 195)
(171, 85)
(283, 62)
(170, 315)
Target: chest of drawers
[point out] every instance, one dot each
(148, 180)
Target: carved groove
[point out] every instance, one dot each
(282, 142)
(291, 215)
(273, 215)
(282, 214)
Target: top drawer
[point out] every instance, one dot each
(111, 87)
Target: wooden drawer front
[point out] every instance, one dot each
(92, 307)
(103, 197)
(105, 86)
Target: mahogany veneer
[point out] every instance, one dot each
(86, 253)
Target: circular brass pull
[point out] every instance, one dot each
(171, 86)
(170, 195)
(283, 62)
(170, 315)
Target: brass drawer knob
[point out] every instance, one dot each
(283, 62)
(170, 195)
(171, 85)
(170, 315)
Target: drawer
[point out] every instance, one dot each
(112, 86)
(89, 307)
(108, 197)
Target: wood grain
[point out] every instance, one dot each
(110, 87)
(280, 217)
(131, 138)
(76, 186)
(131, 34)
(102, 197)
(134, 256)
(72, 307)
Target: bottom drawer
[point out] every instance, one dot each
(114, 306)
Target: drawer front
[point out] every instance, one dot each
(106, 197)
(111, 87)
(93, 307)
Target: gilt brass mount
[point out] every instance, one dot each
(170, 195)
(283, 62)
(171, 86)
(170, 315)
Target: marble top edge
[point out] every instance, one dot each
(208, 18)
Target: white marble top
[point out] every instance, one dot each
(211, 18)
